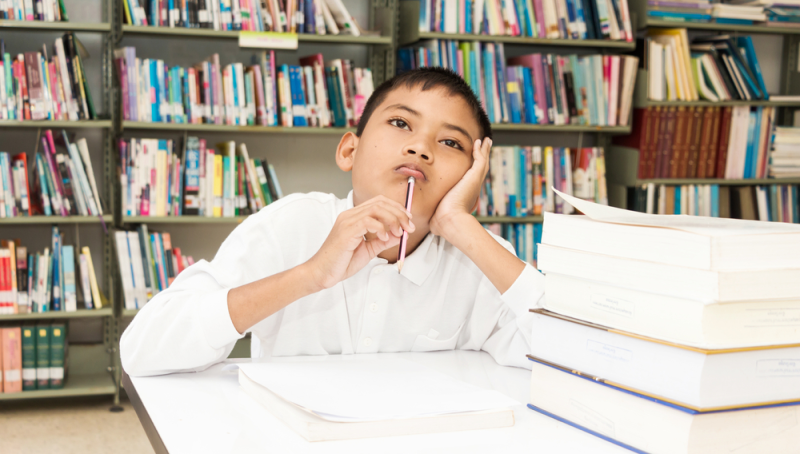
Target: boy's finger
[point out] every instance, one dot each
(393, 218)
(372, 225)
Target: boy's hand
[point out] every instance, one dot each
(461, 199)
(358, 236)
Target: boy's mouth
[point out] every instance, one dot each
(411, 170)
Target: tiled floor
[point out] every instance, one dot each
(70, 426)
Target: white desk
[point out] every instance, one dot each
(207, 412)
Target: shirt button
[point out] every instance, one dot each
(377, 270)
(367, 341)
(374, 307)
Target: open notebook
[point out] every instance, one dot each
(346, 397)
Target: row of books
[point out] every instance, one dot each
(556, 19)
(33, 10)
(775, 14)
(523, 237)
(34, 86)
(322, 17)
(777, 203)
(521, 179)
(535, 88)
(691, 329)
(702, 142)
(57, 279)
(148, 264)
(160, 177)
(63, 180)
(713, 68)
(314, 93)
(32, 357)
(784, 157)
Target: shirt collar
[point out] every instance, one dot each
(421, 263)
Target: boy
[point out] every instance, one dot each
(313, 275)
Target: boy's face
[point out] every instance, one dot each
(425, 134)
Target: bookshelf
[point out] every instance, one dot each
(510, 219)
(208, 128)
(91, 367)
(181, 220)
(224, 34)
(639, 11)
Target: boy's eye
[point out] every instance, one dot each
(398, 123)
(452, 143)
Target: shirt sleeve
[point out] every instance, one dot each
(502, 324)
(187, 327)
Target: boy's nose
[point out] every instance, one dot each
(424, 155)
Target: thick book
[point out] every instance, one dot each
(681, 320)
(58, 339)
(42, 356)
(11, 359)
(696, 378)
(28, 358)
(644, 424)
(695, 242)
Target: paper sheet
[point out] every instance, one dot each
(347, 388)
(700, 225)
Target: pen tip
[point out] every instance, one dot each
(399, 267)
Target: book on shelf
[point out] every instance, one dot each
(148, 264)
(46, 281)
(776, 202)
(34, 86)
(643, 423)
(535, 88)
(50, 347)
(710, 68)
(63, 181)
(524, 237)
(552, 19)
(314, 93)
(319, 17)
(702, 142)
(33, 10)
(11, 359)
(521, 179)
(160, 177)
(784, 156)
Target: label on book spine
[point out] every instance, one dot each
(268, 40)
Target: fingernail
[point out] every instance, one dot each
(411, 224)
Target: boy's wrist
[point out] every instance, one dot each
(456, 229)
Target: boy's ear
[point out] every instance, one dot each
(346, 151)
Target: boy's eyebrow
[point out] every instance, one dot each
(403, 107)
(414, 112)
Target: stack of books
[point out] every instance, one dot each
(47, 281)
(148, 264)
(63, 181)
(702, 142)
(784, 158)
(159, 177)
(712, 68)
(35, 87)
(32, 357)
(322, 17)
(535, 88)
(521, 179)
(778, 203)
(315, 93)
(669, 334)
(555, 19)
(738, 14)
(34, 10)
(783, 14)
(680, 10)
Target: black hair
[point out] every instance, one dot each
(427, 78)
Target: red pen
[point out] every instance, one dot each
(401, 253)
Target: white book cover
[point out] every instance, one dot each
(125, 268)
(659, 428)
(681, 320)
(702, 380)
(139, 286)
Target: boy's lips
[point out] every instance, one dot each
(411, 170)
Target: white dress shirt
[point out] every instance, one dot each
(441, 300)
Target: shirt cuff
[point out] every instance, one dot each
(526, 291)
(216, 320)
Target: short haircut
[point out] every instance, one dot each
(428, 78)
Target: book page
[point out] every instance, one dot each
(354, 388)
(700, 225)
